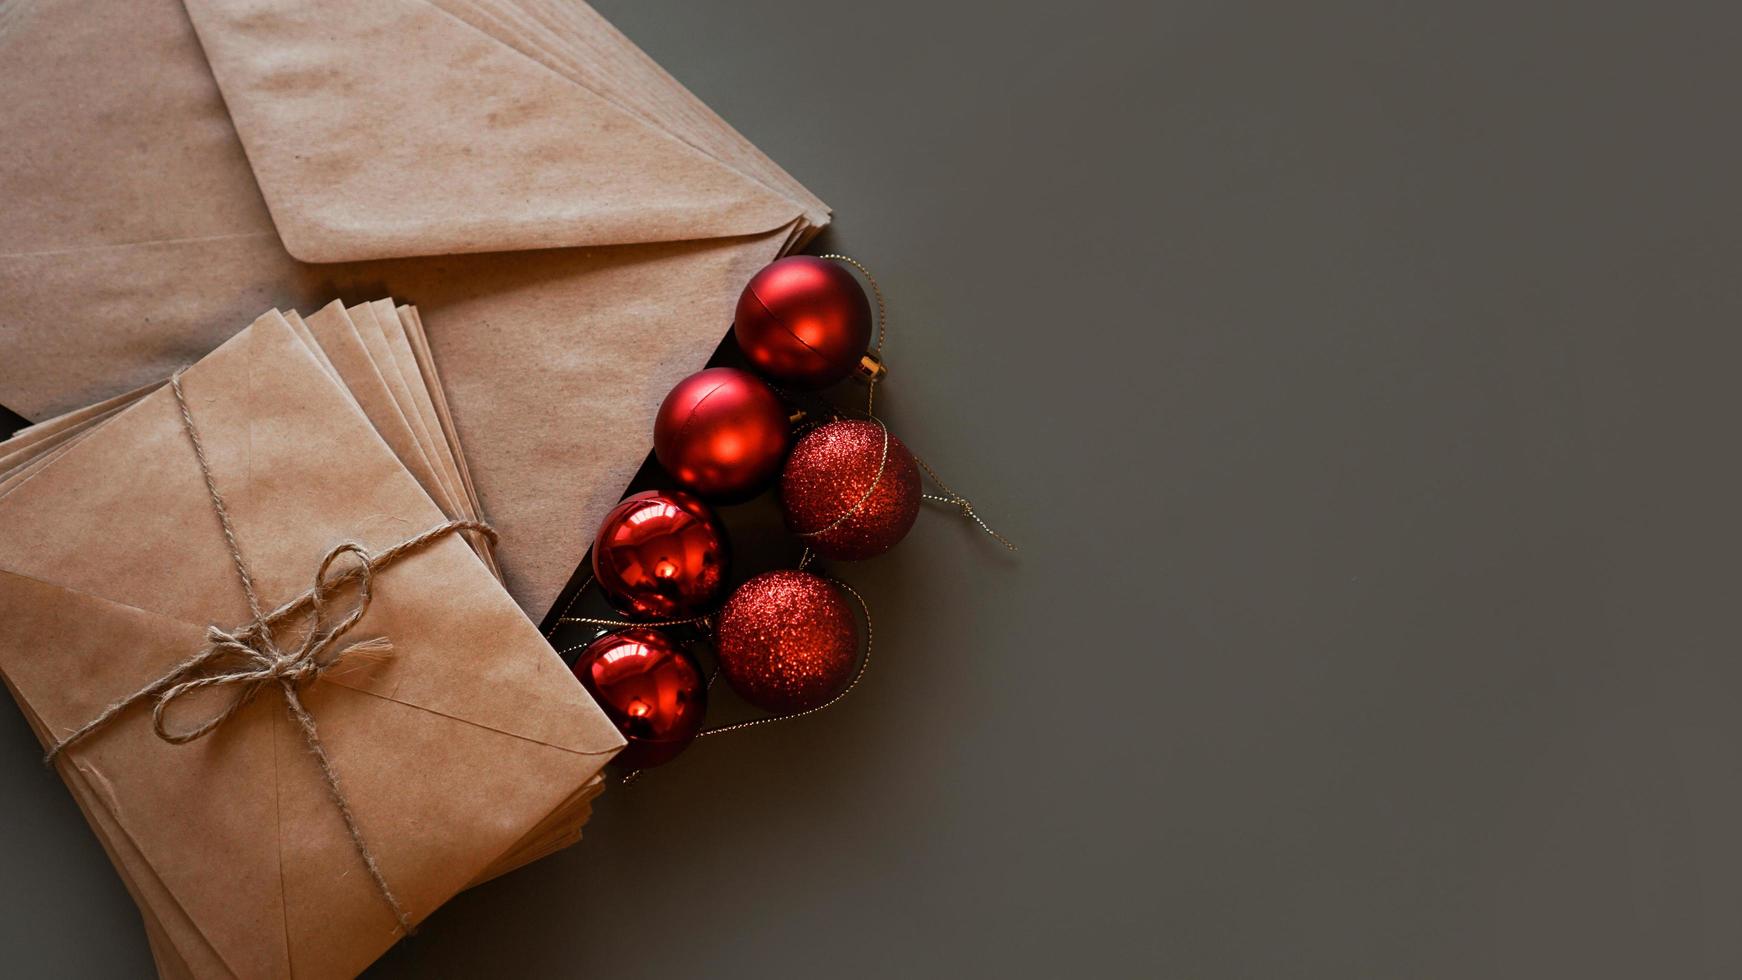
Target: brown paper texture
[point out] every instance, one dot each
(377, 129)
(237, 857)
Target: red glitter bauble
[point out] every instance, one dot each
(661, 553)
(844, 496)
(721, 433)
(804, 321)
(787, 641)
(650, 689)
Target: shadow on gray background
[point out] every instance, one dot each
(1360, 382)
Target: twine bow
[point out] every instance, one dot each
(258, 660)
(249, 660)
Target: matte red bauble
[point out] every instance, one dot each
(787, 641)
(721, 433)
(650, 689)
(661, 553)
(804, 321)
(846, 496)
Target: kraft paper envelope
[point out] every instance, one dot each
(572, 226)
(454, 752)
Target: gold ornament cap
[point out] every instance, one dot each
(870, 369)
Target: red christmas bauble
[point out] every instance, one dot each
(661, 553)
(721, 433)
(787, 641)
(649, 688)
(804, 321)
(846, 495)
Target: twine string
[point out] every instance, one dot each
(248, 659)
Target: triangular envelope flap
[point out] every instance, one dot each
(71, 654)
(389, 128)
(60, 649)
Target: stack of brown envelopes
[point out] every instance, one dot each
(461, 744)
(573, 224)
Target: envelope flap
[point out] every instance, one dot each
(522, 690)
(32, 609)
(390, 128)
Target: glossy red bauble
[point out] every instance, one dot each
(787, 641)
(649, 688)
(850, 490)
(721, 433)
(803, 321)
(661, 553)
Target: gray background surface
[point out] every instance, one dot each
(1360, 380)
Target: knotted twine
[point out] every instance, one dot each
(249, 660)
